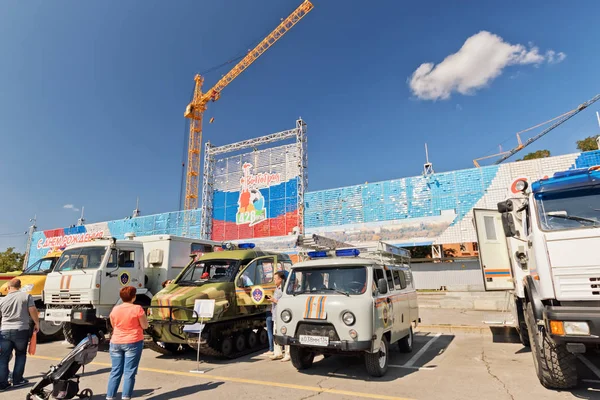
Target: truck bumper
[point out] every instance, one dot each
(342, 345)
(590, 315)
(78, 316)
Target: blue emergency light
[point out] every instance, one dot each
(246, 245)
(565, 180)
(338, 253)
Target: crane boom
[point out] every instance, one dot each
(195, 110)
(560, 120)
(581, 107)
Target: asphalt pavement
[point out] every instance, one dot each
(442, 365)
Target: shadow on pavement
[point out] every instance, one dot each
(353, 367)
(182, 392)
(504, 334)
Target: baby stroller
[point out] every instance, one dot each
(63, 376)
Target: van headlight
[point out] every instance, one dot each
(286, 316)
(348, 318)
(27, 288)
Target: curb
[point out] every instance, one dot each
(468, 329)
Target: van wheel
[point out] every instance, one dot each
(405, 345)
(556, 368)
(301, 358)
(377, 363)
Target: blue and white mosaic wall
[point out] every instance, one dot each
(408, 211)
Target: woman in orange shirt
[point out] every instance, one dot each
(128, 321)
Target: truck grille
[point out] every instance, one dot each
(317, 330)
(68, 298)
(577, 284)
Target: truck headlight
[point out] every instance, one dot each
(286, 316)
(27, 288)
(348, 318)
(578, 328)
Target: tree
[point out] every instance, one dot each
(535, 155)
(11, 260)
(588, 144)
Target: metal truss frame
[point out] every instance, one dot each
(208, 177)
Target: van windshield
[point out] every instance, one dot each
(81, 258)
(339, 279)
(573, 209)
(209, 271)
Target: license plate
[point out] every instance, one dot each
(58, 315)
(314, 340)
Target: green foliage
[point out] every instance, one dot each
(588, 144)
(10, 260)
(535, 155)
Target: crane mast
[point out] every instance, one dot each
(195, 110)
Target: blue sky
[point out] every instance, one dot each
(92, 93)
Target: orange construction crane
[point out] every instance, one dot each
(195, 110)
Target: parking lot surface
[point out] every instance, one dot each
(442, 365)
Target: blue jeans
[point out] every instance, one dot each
(125, 361)
(270, 329)
(13, 340)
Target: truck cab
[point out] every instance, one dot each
(340, 302)
(541, 244)
(84, 286)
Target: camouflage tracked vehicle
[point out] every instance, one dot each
(238, 280)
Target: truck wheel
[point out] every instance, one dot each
(227, 347)
(75, 333)
(166, 349)
(405, 345)
(240, 342)
(302, 358)
(252, 339)
(263, 337)
(377, 363)
(50, 331)
(556, 368)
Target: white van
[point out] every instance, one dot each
(345, 302)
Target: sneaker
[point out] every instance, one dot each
(286, 358)
(22, 383)
(269, 353)
(5, 387)
(276, 357)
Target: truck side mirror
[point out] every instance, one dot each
(382, 286)
(508, 223)
(505, 206)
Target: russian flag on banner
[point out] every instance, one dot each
(264, 205)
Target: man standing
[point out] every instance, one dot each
(15, 310)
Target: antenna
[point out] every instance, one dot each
(81, 220)
(427, 167)
(136, 212)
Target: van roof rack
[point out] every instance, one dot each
(386, 252)
(317, 242)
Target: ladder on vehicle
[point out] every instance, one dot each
(317, 242)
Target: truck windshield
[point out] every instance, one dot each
(42, 266)
(209, 271)
(81, 258)
(573, 209)
(340, 280)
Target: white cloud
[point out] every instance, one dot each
(554, 57)
(479, 61)
(70, 207)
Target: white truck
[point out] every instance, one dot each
(542, 245)
(85, 285)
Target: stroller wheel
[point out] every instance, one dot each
(86, 394)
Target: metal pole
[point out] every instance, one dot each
(32, 229)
